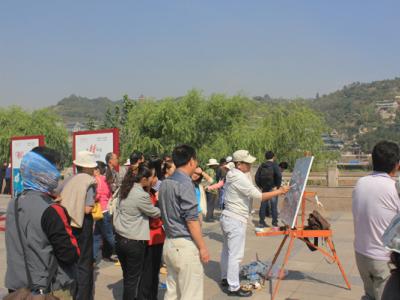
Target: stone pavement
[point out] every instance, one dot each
(310, 275)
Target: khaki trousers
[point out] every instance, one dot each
(374, 274)
(185, 270)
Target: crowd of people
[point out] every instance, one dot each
(150, 213)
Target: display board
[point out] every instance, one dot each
(99, 142)
(20, 145)
(298, 182)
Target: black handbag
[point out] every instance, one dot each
(25, 293)
(316, 222)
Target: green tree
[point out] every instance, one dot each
(16, 122)
(218, 125)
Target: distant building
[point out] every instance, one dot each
(75, 126)
(332, 143)
(387, 104)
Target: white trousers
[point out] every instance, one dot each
(234, 235)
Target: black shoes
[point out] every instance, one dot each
(240, 293)
(224, 283)
(263, 225)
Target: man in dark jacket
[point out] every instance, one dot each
(51, 249)
(269, 177)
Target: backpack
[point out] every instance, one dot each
(265, 176)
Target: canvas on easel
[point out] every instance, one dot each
(298, 182)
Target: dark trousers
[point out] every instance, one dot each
(148, 288)
(84, 280)
(212, 200)
(131, 255)
(103, 234)
(272, 204)
(7, 189)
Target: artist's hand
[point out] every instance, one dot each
(284, 189)
(204, 255)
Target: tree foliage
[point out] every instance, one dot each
(218, 125)
(16, 122)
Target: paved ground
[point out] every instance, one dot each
(310, 275)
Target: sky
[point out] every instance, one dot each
(52, 49)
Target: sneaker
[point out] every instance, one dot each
(224, 283)
(110, 259)
(262, 225)
(240, 293)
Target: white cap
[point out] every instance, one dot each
(228, 159)
(85, 159)
(243, 156)
(212, 162)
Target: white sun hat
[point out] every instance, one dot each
(85, 159)
(212, 162)
(243, 156)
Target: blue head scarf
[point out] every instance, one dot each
(38, 173)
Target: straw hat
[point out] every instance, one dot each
(212, 162)
(85, 159)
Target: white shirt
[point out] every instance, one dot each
(239, 191)
(375, 204)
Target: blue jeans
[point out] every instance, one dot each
(273, 204)
(103, 231)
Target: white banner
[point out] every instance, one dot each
(20, 148)
(98, 143)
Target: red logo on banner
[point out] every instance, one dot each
(92, 148)
(19, 154)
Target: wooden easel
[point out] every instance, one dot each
(301, 233)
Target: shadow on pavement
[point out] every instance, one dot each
(116, 289)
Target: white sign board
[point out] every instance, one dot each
(298, 182)
(19, 147)
(98, 143)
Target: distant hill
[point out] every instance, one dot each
(363, 112)
(77, 109)
(352, 111)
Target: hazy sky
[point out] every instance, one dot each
(51, 49)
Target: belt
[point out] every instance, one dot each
(124, 238)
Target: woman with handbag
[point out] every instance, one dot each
(131, 223)
(103, 231)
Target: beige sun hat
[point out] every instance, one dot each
(243, 156)
(85, 159)
(212, 162)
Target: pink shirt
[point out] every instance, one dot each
(103, 192)
(375, 204)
